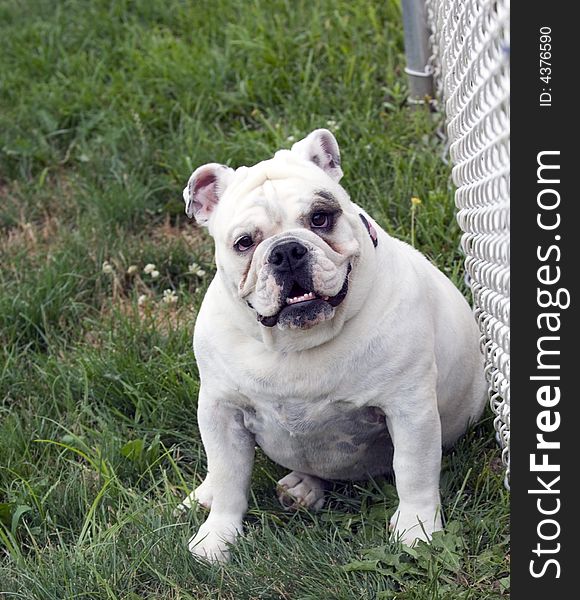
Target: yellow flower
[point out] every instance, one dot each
(415, 201)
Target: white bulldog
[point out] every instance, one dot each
(339, 350)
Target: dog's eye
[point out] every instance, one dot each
(320, 219)
(244, 243)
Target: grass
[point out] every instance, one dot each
(105, 109)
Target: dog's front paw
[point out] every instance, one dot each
(214, 538)
(410, 525)
(202, 495)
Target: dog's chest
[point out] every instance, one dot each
(330, 440)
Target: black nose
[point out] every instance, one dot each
(288, 256)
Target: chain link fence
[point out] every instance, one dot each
(468, 60)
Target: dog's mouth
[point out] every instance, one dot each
(305, 308)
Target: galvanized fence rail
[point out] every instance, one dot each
(461, 50)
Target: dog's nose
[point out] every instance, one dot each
(288, 256)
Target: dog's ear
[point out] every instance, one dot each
(204, 190)
(321, 148)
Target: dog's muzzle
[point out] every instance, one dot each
(302, 306)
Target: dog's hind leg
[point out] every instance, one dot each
(298, 490)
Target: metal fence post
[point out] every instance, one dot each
(417, 51)
(471, 69)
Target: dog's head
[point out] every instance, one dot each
(285, 231)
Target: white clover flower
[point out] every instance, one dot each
(332, 125)
(154, 274)
(107, 267)
(169, 297)
(290, 138)
(200, 273)
(132, 270)
(149, 268)
(142, 299)
(193, 268)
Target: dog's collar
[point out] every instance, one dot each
(372, 231)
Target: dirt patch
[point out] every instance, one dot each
(33, 224)
(29, 236)
(496, 465)
(196, 238)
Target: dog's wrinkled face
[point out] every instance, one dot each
(284, 231)
(294, 260)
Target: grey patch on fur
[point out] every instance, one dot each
(352, 427)
(321, 446)
(346, 447)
